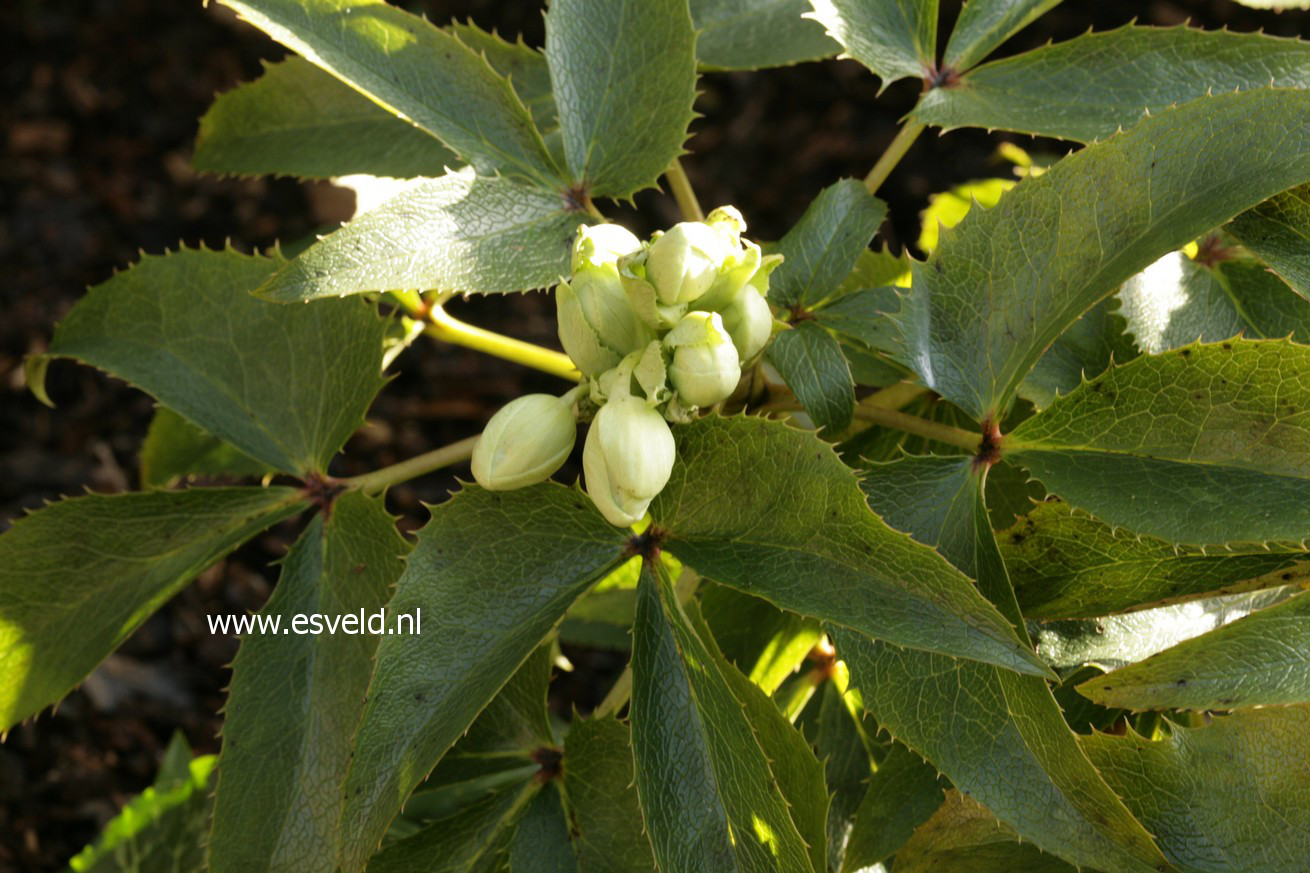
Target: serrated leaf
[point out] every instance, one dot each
(1227, 797)
(1082, 352)
(774, 529)
(1278, 232)
(598, 781)
(416, 71)
(840, 741)
(285, 385)
(1175, 302)
(962, 834)
(175, 449)
(994, 721)
(295, 700)
(77, 577)
(624, 74)
(706, 787)
(1223, 430)
(1007, 282)
(763, 642)
(948, 208)
(447, 234)
(162, 829)
(460, 843)
(862, 316)
(541, 841)
(811, 362)
(1260, 660)
(1087, 88)
(821, 249)
(985, 24)
(298, 120)
(903, 792)
(481, 619)
(896, 39)
(1269, 308)
(1069, 564)
(749, 35)
(516, 719)
(524, 66)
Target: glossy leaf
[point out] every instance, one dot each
(1091, 344)
(1278, 232)
(414, 70)
(524, 66)
(1259, 660)
(769, 529)
(985, 24)
(447, 234)
(175, 449)
(706, 786)
(903, 792)
(895, 39)
(962, 835)
(91, 569)
(1007, 282)
(1066, 563)
(464, 842)
(1228, 797)
(1224, 429)
(298, 120)
(480, 620)
(1269, 308)
(822, 248)
(624, 74)
(1087, 88)
(285, 385)
(746, 35)
(812, 364)
(295, 699)
(598, 781)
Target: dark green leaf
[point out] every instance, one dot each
(812, 364)
(822, 248)
(764, 642)
(750, 35)
(285, 385)
(903, 792)
(963, 835)
(524, 66)
(985, 24)
(296, 699)
(461, 843)
(598, 781)
(78, 576)
(480, 619)
(862, 316)
(1175, 302)
(1007, 282)
(840, 741)
(1269, 308)
(895, 39)
(1278, 232)
(541, 842)
(1083, 351)
(297, 120)
(624, 74)
(175, 449)
(1087, 88)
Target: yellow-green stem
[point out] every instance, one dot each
(683, 193)
(891, 157)
(933, 430)
(444, 326)
(896, 396)
(380, 480)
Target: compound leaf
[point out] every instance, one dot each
(985, 24)
(903, 793)
(962, 834)
(598, 782)
(470, 839)
(175, 449)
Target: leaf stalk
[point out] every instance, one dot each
(891, 157)
(683, 193)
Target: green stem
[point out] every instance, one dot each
(591, 208)
(680, 185)
(380, 480)
(896, 396)
(933, 430)
(444, 326)
(891, 157)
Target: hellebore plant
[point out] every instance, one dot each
(992, 561)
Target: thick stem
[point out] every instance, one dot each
(445, 327)
(933, 430)
(680, 185)
(890, 158)
(380, 480)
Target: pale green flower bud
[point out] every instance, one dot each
(524, 443)
(597, 324)
(705, 367)
(627, 459)
(749, 321)
(602, 245)
(684, 262)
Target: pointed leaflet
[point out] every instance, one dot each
(707, 791)
(541, 842)
(598, 782)
(1007, 282)
(1002, 738)
(812, 364)
(820, 251)
(492, 573)
(1087, 88)
(903, 792)
(748, 35)
(1083, 351)
(624, 74)
(765, 643)
(458, 233)
(1065, 563)
(175, 449)
(295, 700)
(524, 66)
(297, 120)
(1269, 308)
(985, 24)
(797, 532)
(839, 740)
(78, 576)
(417, 71)
(1278, 232)
(1259, 660)
(285, 385)
(896, 39)
(963, 835)
(1221, 431)
(1225, 798)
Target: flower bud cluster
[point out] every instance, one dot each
(659, 329)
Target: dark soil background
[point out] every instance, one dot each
(100, 102)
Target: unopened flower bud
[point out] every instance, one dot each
(524, 443)
(597, 324)
(749, 321)
(705, 367)
(684, 262)
(627, 459)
